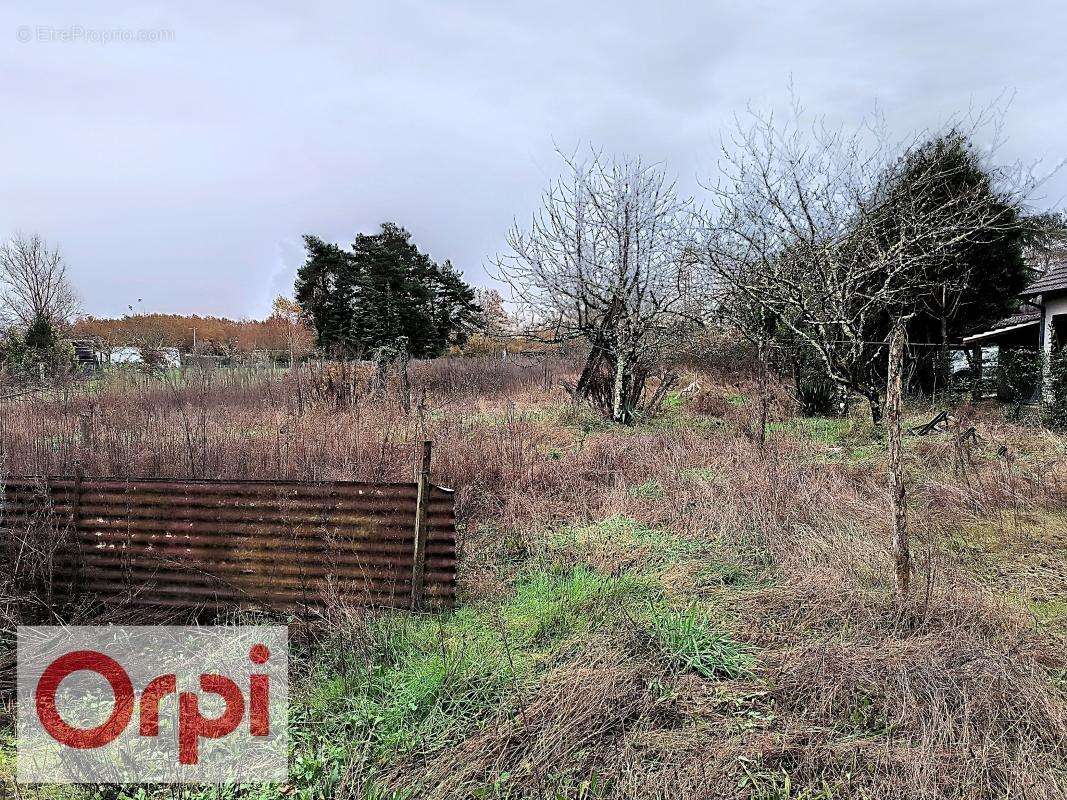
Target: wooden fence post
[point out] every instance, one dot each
(897, 487)
(418, 572)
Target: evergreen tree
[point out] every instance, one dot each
(978, 280)
(383, 292)
(325, 290)
(457, 310)
(41, 334)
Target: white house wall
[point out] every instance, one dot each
(1053, 307)
(170, 356)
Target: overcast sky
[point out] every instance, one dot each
(182, 170)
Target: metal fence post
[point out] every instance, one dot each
(418, 571)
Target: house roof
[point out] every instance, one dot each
(1054, 280)
(1015, 322)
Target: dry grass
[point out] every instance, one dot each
(958, 694)
(571, 728)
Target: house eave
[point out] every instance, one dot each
(993, 334)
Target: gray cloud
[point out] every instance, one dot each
(184, 171)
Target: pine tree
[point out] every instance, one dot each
(325, 290)
(457, 312)
(383, 293)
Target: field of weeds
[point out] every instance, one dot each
(662, 611)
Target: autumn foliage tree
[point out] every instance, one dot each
(282, 332)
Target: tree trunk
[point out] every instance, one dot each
(589, 371)
(405, 383)
(944, 368)
(620, 401)
(764, 400)
(897, 489)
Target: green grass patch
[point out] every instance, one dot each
(623, 544)
(840, 438)
(426, 681)
(421, 682)
(673, 400)
(829, 431)
(426, 677)
(982, 539)
(649, 490)
(700, 474)
(669, 419)
(1049, 611)
(551, 608)
(692, 640)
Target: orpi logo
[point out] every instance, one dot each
(152, 704)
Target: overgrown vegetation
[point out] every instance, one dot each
(661, 610)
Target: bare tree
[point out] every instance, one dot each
(35, 284)
(603, 261)
(823, 232)
(782, 207)
(756, 325)
(835, 236)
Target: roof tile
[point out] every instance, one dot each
(1054, 280)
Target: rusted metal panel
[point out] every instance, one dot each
(285, 545)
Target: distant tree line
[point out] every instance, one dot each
(282, 331)
(381, 298)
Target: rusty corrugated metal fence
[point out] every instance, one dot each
(284, 545)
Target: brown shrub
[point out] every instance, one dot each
(708, 402)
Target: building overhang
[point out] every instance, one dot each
(997, 333)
